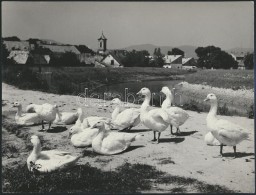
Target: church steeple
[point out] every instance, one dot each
(102, 47)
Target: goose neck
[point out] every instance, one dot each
(115, 112)
(213, 110)
(19, 110)
(37, 149)
(146, 102)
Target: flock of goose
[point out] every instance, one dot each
(98, 133)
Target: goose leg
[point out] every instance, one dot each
(43, 125)
(221, 148)
(49, 126)
(154, 136)
(178, 130)
(234, 147)
(171, 129)
(159, 133)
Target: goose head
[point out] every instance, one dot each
(17, 104)
(144, 91)
(116, 101)
(35, 140)
(99, 125)
(73, 130)
(165, 90)
(211, 98)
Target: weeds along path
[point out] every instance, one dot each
(186, 156)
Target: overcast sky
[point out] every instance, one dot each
(223, 24)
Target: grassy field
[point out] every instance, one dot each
(233, 79)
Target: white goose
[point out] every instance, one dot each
(26, 118)
(227, 133)
(109, 142)
(211, 140)
(126, 119)
(156, 119)
(31, 108)
(50, 160)
(82, 137)
(47, 112)
(177, 116)
(66, 118)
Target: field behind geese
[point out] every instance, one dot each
(181, 163)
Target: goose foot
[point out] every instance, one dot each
(218, 156)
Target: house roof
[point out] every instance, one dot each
(62, 48)
(115, 56)
(20, 57)
(17, 45)
(185, 60)
(102, 37)
(171, 58)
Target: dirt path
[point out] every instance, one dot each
(185, 155)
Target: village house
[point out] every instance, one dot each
(59, 50)
(173, 61)
(18, 56)
(239, 57)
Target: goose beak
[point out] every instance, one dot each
(206, 99)
(139, 93)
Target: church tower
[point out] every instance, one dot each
(102, 47)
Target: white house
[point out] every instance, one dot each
(20, 57)
(112, 60)
(240, 59)
(172, 61)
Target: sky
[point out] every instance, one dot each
(223, 24)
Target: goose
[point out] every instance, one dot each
(66, 118)
(82, 137)
(227, 133)
(177, 116)
(47, 112)
(126, 119)
(31, 108)
(156, 119)
(50, 160)
(211, 140)
(26, 118)
(109, 142)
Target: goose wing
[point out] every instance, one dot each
(226, 125)
(159, 114)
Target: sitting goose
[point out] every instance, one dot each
(177, 116)
(50, 160)
(109, 142)
(227, 133)
(126, 119)
(156, 119)
(211, 140)
(82, 137)
(47, 112)
(66, 118)
(26, 118)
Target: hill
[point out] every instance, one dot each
(241, 50)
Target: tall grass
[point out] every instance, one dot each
(233, 79)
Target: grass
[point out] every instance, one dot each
(233, 79)
(127, 178)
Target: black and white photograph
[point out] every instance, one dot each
(125, 97)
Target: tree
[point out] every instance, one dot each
(248, 61)
(136, 58)
(214, 57)
(158, 58)
(13, 38)
(176, 51)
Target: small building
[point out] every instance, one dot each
(239, 57)
(102, 44)
(173, 61)
(19, 57)
(112, 60)
(188, 62)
